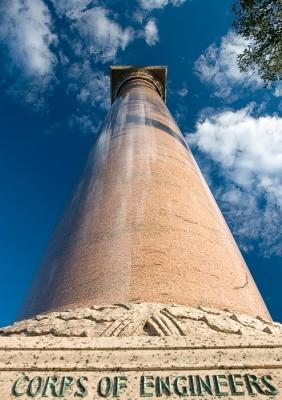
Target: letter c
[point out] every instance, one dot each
(15, 389)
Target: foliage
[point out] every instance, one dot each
(260, 23)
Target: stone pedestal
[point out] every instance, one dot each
(131, 351)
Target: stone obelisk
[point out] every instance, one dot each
(142, 225)
(143, 291)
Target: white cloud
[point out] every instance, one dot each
(103, 36)
(278, 89)
(151, 33)
(152, 4)
(256, 227)
(92, 88)
(71, 8)
(181, 113)
(26, 31)
(183, 91)
(37, 53)
(218, 67)
(249, 150)
(84, 124)
(181, 106)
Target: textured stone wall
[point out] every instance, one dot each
(131, 351)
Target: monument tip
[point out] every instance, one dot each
(156, 74)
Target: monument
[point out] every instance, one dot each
(143, 291)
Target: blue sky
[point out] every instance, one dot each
(55, 92)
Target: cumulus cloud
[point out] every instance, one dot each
(32, 50)
(218, 67)
(151, 33)
(103, 36)
(98, 32)
(26, 31)
(247, 151)
(45, 41)
(152, 4)
(26, 34)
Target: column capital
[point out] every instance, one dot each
(120, 74)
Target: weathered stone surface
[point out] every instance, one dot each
(35, 358)
(142, 225)
(131, 342)
(147, 319)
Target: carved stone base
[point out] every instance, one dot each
(131, 351)
(145, 319)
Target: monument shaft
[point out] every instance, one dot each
(142, 225)
(151, 296)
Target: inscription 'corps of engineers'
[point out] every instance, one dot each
(144, 386)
